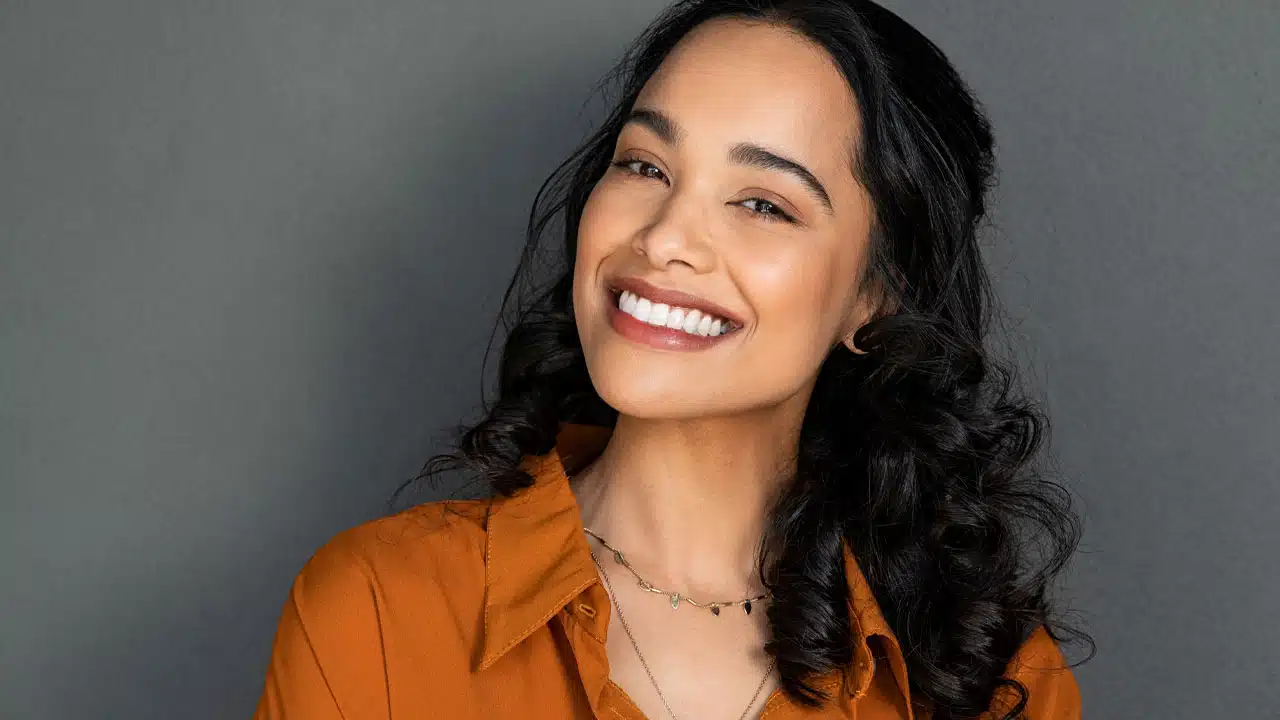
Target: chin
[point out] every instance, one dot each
(655, 395)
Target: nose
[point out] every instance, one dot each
(678, 235)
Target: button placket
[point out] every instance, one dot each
(579, 619)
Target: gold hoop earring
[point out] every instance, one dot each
(853, 348)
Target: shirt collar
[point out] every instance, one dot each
(526, 583)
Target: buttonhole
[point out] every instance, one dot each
(586, 610)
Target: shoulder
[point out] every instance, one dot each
(385, 588)
(429, 545)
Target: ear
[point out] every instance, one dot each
(856, 318)
(869, 301)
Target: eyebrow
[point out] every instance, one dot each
(743, 153)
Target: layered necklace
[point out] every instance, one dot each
(676, 600)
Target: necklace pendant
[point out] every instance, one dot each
(715, 610)
(617, 556)
(675, 600)
(747, 606)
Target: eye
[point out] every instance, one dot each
(769, 211)
(627, 163)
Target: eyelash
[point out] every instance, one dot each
(779, 215)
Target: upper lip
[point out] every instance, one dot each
(674, 298)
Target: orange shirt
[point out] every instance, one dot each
(482, 609)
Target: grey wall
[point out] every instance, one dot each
(249, 253)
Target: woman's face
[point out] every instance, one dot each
(732, 195)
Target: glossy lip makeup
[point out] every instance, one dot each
(676, 320)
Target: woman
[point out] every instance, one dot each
(751, 419)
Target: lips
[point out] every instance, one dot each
(676, 318)
(672, 298)
(668, 336)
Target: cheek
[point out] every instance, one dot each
(591, 230)
(592, 246)
(602, 235)
(798, 298)
(796, 294)
(605, 226)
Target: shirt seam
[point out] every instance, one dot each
(488, 568)
(302, 625)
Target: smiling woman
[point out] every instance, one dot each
(758, 381)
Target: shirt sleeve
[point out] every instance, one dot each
(1042, 668)
(327, 661)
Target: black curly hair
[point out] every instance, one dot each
(920, 452)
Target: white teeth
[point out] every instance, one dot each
(658, 314)
(693, 322)
(643, 308)
(675, 319)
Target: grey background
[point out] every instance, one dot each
(250, 253)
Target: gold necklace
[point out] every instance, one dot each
(676, 597)
(630, 636)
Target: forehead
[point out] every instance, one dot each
(731, 80)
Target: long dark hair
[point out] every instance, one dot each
(920, 452)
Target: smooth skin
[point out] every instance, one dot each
(704, 439)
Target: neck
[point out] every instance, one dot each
(687, 500)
